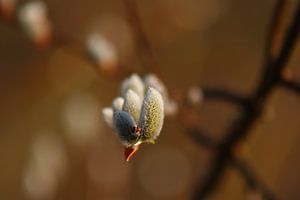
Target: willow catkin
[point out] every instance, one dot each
(135, 83)
(102, 51)
(151, 80)
(152, 115)
(107, 114)
(117, 104)
(132, 104)
(124, 124)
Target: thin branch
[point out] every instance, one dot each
(273, 75)
(290, 40)
(196, 95)
(224, 95)
(144, 46)
(239, 130)
(242, 126)
(273, 36)
(291, 85)
(189, 123)
(275, 30)
(202, 139)
(251, 179)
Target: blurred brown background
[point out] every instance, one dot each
(51, 100)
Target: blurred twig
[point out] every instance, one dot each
(252, 181)
(274, 32)
(144, 46)
(293, 86)
(224, 95)
(201, 138)
(243, 125)
(189, 119)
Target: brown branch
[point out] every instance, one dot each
(252, 181)
(189, 123)
(225, 95)
(144, 46)
(273, 76)
(186, 98)
(274, 34)
(242, 126)
(202, 139)
(291, 85)
(239, 130)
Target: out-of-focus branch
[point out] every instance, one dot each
(291, 85)
(189, 120)
(144, 47)
(274, 34)
(238, 131)
(273, 76)
(252, 181)
(202, 139)
(242, 126)
(196, 95)
(224, 95)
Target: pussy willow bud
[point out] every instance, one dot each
(132, 104)
(125, 127)
(118, 103)
(145, 110)
(46, 168)
(151, 80)
(33, 16)
(107, 114)
(171, 107)
(195, 95)
(102, 51)
(152, 115)
(135, 83)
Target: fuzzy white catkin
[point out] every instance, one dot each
(107, 114)
(195, 95)
(135, 83)
(123, 124)
(132, 104)
(151, 80)
(118, 103)
(46, 168)
(152, 115)
(33, 16)
(102, 51)
(171, 107)
(81, 118)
